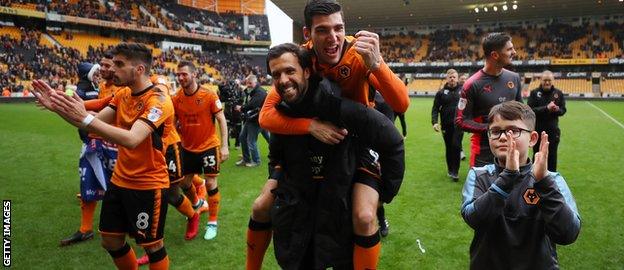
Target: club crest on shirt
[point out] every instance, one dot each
(139, 106)
(539, 94)
(154, 114)
(531, 197)
(510, 84)
(556, 95)
(462, 103)
(198, 101)
(446, 91)
(344, 71)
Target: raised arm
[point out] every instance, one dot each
(391, 88)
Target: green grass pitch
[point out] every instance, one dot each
(39, 155)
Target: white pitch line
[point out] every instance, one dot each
(606, 114)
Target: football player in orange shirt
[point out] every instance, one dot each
(135, 203)
(203, 149)
(355, 63)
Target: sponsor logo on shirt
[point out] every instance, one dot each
(487, 88)
(154, 114)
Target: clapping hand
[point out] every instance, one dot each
(540, 167)
(512, 161)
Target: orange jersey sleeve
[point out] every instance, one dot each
(97, 105)
(275, 122)
(196, 119)
(143, 167)
(391, 88)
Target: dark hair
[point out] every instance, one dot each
(108, 54)
(188, 64)
(495, 42)
(320, 7)
(135, 52)
(513, 110)
(302, 54)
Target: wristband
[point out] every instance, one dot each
(87, 120)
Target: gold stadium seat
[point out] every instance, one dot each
(612, 86)
(422, 85)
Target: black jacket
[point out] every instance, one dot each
(311, 215)
(252, 107)
(517, 221)
(444, 104)
(546, 120)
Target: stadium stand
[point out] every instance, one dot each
(557, 40)
(612, 86)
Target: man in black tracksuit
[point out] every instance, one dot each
(444, 104)
(548, 104)
(311, 215)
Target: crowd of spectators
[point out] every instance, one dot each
(24, 59)
(557, 40)
(166, 14)
(231, 66)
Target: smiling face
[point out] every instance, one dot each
(504, 56)
(185, 77)
(290, 80)
(327, 33)
(105, 69)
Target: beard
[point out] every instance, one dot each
(290, 92)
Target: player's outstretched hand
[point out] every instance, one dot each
(540, 168)
(367, 45)
(42, 92)
(327, 132)
(69, 107)
(512, 161)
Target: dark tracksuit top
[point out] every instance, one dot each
(444, 105)
(545, 119)
(548, 121)
(479, 94)
(311, 215)
(516, 221)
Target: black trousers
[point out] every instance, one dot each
(453, 142)
(554, 136)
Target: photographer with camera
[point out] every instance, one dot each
(232, 94)
(249, 112)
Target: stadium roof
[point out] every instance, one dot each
(361, 14)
